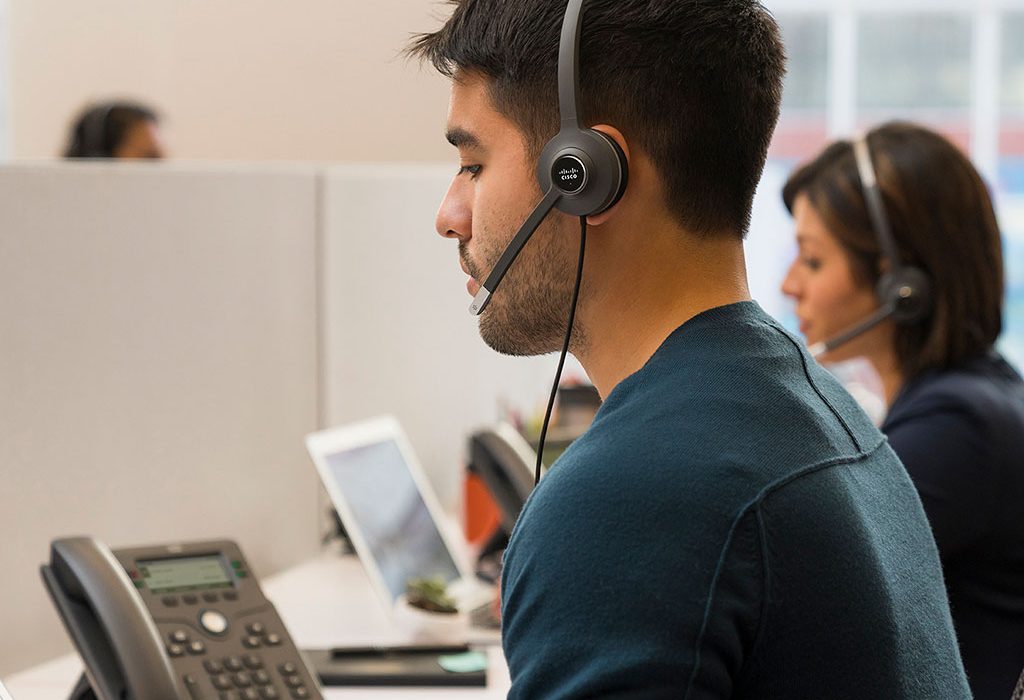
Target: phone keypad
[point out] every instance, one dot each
(266, 693)
(258, 636)
(245, 676)
(255, 681)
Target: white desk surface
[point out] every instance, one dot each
(325, 602)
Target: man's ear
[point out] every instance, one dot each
(616, 135)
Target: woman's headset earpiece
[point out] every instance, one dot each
(903, 291)
(905, 288)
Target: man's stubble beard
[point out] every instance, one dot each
(528, 313)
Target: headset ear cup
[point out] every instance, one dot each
(619, 167)
(587, 167)
(909, 291)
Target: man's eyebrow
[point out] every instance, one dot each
(460, 138)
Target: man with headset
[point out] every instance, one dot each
(731, 525)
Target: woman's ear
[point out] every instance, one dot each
(615, 135)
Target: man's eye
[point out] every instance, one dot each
(473, 170)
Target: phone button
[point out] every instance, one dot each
(170, 600)
(175, 650)
(193, 687)
(213, 622)
(179, 636)
(190, 599)
(196, 648)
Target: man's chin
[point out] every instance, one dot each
(507, 338)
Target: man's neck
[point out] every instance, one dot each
(637, 301)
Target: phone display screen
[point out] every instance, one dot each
(185, 574)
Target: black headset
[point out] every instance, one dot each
(903, 291)
(582, 172)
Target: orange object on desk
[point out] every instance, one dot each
(482, 516)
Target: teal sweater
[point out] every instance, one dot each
(731, 526)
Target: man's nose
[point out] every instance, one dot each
(455, 215)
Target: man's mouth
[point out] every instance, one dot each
(472, 286)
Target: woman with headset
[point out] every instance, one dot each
(900, 262)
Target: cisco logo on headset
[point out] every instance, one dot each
(569, 174)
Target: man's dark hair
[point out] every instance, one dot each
(100, 128)
(695, 84)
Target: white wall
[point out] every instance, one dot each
(158, 369)
(5, 56)
(236, 79)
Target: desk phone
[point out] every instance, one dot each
(172, 622)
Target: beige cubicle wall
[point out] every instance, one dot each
(158, 368)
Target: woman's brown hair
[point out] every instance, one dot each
(943, 222)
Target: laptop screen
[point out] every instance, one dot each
(389, 511)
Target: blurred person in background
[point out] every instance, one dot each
(955, 407)
(116, 129)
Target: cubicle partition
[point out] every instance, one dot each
(169, 333)
(158, 368)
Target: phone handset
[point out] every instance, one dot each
(108, 622)
(503, 459)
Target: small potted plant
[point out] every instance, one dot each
(430, 594)
(428, 613)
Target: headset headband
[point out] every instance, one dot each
(569, 65)
(873, 199)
